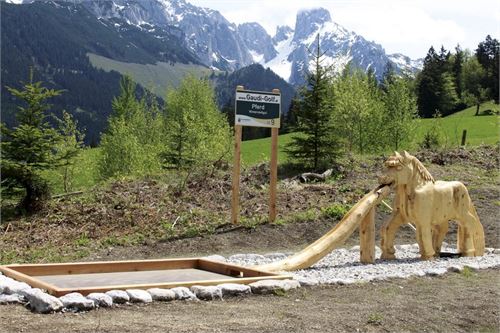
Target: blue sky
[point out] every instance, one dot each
(408, 27)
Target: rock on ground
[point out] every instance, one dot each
(77, 301)
(139, 296)
(159, 294)
(234, 289)
(118, 296)
(183, 293)
(270, 286)
(11, 286)
(101, 300)
(207, 293)
(42, 302)
(9, 299)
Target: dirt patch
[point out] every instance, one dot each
(452, 303)
(152, 217)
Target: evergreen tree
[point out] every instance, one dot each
(458, 61)
(474, 91)
(196, 134)
(27, 150)
(487, 54)
(315, 145)
(436, 90)
(388, 77)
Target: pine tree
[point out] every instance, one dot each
(458, 63)
(315, 144)
(27, 150)
(487, 54)
(474, 91)
(436, 85)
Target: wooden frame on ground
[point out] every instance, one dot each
(235, 274)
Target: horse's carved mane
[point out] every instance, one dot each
(422, 171)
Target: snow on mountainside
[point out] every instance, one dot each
(222, 45)
(340, 46)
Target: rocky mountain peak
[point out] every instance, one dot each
(309, 21)
(283, 32)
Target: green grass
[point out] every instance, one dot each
(157, 78)
(480, 130)
(259, 150)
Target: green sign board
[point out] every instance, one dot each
(258, 109)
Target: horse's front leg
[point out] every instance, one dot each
(424, 237)
(388, 233)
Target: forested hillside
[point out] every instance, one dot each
(69, 32)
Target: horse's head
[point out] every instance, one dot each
(397, 171)
(402, 169)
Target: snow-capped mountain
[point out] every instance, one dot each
(206, 32)
(222, 45)
(340, 45)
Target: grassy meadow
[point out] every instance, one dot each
(481, 129)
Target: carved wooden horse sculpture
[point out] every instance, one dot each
(429, 205)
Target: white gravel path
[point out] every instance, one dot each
(342, 266)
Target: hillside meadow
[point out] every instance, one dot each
(482, 129)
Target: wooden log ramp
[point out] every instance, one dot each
(362, 213)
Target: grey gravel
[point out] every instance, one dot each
(76, 301)
(215, 257)
(118, 296)
(342, 266)
(101, 300)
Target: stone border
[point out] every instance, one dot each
(15, 292)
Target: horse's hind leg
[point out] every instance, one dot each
(439, 232)
(471, 236)
(388, 233)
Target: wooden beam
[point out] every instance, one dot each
(367, 238)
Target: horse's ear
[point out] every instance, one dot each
(406, 155)
(397, 154)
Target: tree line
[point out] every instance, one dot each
(332, 114)
(354, 112)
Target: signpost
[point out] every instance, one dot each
(258, 109)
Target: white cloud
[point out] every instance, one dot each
(408, 27)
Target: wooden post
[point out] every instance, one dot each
(367, 238)
(274, 174)
(464, 136)
(274, 171)
(235, 198)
